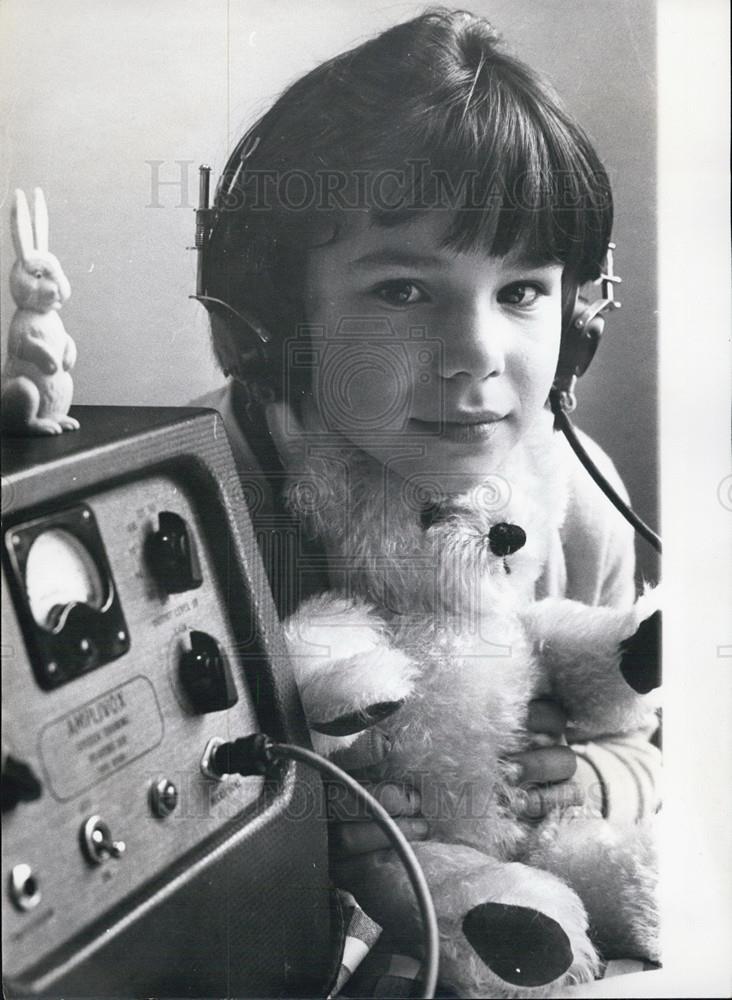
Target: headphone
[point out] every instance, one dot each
(206, 220)
(580, 334)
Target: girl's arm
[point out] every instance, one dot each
(619, 776)
(598, 544)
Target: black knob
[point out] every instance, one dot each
(19, 783)
(206, 676)
(172, 554)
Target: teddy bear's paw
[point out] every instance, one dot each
(518, 943)
(613, 869)
(360, 689)
(353, 694)
(640, 660)
(356, 722)
(349, 674)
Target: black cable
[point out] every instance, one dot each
(255, 754)
(563, 422)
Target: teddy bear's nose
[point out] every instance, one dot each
(506, 538)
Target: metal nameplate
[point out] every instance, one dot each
(100, 737)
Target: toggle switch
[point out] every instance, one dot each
(97, 842)
(205, 675)
(171, 552)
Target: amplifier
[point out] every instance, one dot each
(138, 630)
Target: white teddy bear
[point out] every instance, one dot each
(429, 631)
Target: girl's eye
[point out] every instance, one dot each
(400, 292)
(520, 294)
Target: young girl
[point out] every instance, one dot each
(399, 245)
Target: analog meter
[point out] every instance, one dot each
(67, 600)
(59, 572)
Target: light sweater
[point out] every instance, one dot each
(590, 557)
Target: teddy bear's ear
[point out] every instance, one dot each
(640, 662)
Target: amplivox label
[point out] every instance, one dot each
(99, 737)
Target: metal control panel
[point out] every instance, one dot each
(131, 639)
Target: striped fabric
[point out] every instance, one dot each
(620, 777)
(387, 974)
(361, 934)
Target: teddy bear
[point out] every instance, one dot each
(429, 628)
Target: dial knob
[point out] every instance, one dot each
(172, 554)
(206, 676)
(19, 783)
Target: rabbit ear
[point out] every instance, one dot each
(40, 220)
(20, 225)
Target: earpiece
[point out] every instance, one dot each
(206, 218)
(581, 337)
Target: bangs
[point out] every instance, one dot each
(516, 175)
(432, 115)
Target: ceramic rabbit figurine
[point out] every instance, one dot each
(37, 385)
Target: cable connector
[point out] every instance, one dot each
(247, 755)
(258, 753)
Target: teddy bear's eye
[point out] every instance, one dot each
(38, 274)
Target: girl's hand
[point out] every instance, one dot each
(547, 769)
(545, 782)
(352, 831)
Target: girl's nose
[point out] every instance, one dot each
(473, 343)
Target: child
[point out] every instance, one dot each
(401, 245)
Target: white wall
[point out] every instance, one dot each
(94, 90)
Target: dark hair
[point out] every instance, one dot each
(430, 114)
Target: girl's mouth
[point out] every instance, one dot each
(467, 428)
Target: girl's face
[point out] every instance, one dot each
(433, 361)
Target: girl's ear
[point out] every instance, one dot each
(288, 434)
(20, 225)
(40, 220)
(237, 342)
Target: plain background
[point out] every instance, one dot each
(153, 71)
(126, 93)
